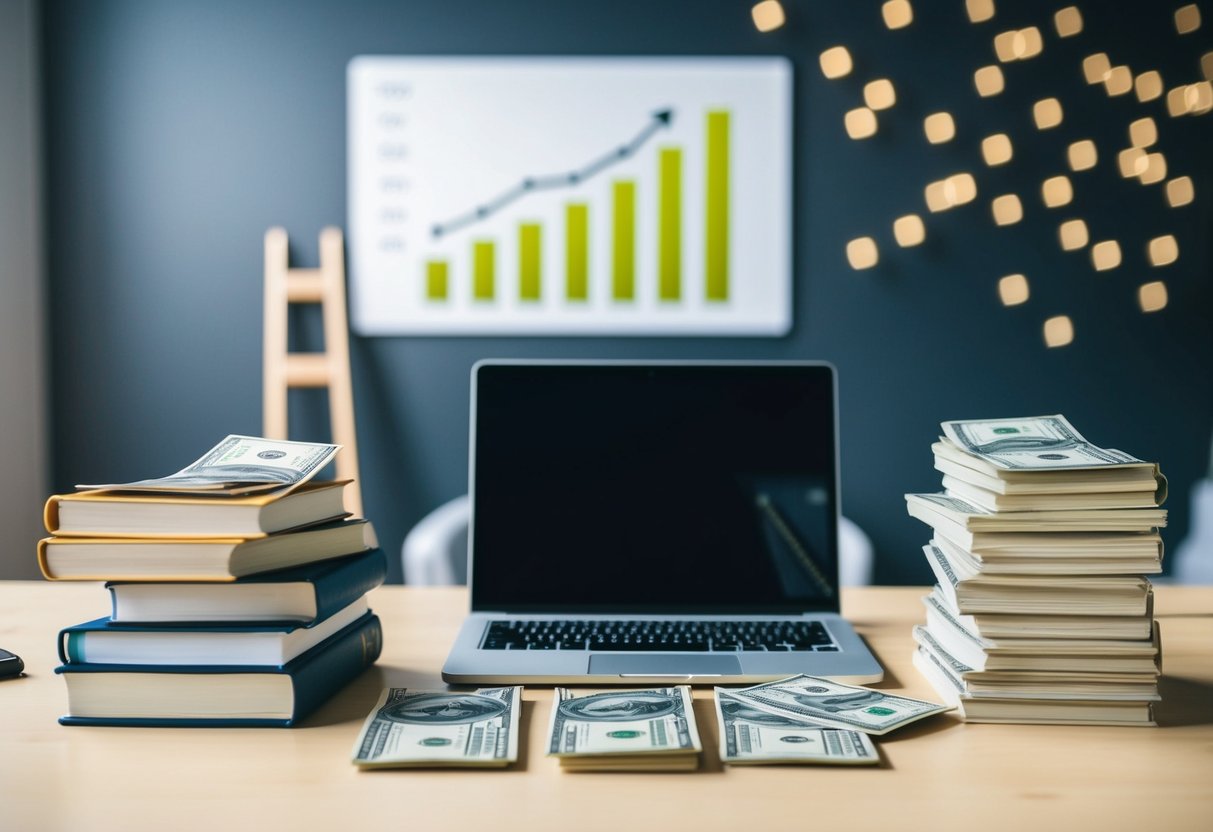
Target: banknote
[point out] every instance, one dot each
(835, 705)
(751, 736)
(416, 728)
(240, 464)
(624, 728)
(1032, 443)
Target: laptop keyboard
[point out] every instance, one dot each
(660, 636)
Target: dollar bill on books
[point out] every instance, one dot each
(1033, 443)
(421, 728)
(835, 705)
(239, 465)
(626, 730)
(749, 736)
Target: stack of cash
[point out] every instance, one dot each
(1042, 544)
(441, 729)
(808, 720)
(624, 730)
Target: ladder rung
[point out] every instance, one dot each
(308, 369)
(304, 286)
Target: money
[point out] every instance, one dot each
(240, 465)
(625, 730)
(749, 736)
(835, 705)
(1032, 443)
(422, 728)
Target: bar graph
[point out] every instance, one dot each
(570, 196)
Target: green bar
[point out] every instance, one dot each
(669, 238)
(482, 269)
(623, 263)
(436, 279)
(528, 260)
(716, 221)
(577, 250)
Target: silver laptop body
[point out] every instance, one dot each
(654, 521)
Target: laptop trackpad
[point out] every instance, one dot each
(616, 664)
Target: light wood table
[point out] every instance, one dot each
(940, 774)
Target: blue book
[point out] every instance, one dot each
(303, 594)
(217, 695)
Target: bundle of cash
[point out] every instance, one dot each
(239, 465)
(749, 736)
(625, 730)
(830, 704)
(422, 728)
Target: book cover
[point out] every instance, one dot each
(311, 680)
(301, 594)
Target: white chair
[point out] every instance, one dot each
(435, 551)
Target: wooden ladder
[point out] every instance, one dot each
(284, 369)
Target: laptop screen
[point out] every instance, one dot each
(654, 487)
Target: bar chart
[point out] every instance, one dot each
(570, 196)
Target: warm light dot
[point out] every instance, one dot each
(960, 188)
(989, 81)
(1119, 80)
(1073, 234)
(1148, 85)
(1143, 132)
(860, 123)
(1155, 169)
(879, 94)
(1082, 155)
(1068, 21)
(979, 10)
(1095, 68)
(1105, 255)
(1004, 46)
(1152, 296)
(862, 253)
(909, 230)
(936, 197)
(1028, 43)
(1059, 331)
(1199, 97)
(1057, 191)
(1007, 209)
(1132, 161)
(939, 128)
(1177, 104)
(1013, 290)
(1187, 19)
(768, 15)
(996, 149)
(836, 62)
(1206, 65)
(1164, 250)
(1180, 191)
(897, 13)
(1047, 113)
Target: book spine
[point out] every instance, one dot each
(330, 666)
(338, 589)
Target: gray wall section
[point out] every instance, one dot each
(177, 132)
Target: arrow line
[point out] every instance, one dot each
(531, 184)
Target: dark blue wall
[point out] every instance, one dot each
(177, 132)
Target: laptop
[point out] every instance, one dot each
(654, 521)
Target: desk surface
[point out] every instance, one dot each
(941, 773)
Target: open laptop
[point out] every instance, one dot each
(665, 521)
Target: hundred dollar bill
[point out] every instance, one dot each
(627, 726)
(240, 464)
(835, 705)
(441, 728)
(1033, 443)
(751, 736)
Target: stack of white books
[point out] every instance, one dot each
(1042, 546)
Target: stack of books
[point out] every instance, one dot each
(227, 610)
(1042, 543)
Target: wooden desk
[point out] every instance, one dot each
(940, 774)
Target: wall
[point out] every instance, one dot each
(22, 354)
(177, 132)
